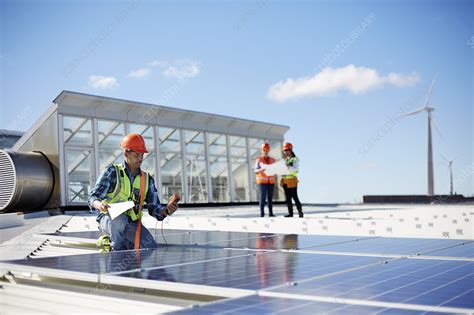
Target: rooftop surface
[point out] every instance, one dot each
(338, 258)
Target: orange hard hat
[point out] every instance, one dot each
(135, 142)
(266, 146)
(287, 146)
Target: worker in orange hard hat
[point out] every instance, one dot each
(290, 182)
(127, 182)
(265, 183)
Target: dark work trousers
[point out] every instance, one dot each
(289, 194)
(266, 190)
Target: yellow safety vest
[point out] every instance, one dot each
(124, 192)
(291, 180)
(293, 169)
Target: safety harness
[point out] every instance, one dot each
(136, 244)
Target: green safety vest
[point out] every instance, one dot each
(123, 192)
(294, 172)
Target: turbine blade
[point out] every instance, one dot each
(414, 112)
(430, 91)
(435, 126)
(444, 158)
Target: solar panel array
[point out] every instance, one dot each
(297, 274)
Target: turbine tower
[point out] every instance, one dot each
(428, 110)
(450, 165)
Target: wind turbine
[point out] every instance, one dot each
(450, 165)
(428, 109)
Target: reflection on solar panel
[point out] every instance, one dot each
(256, 271)
(226, 239)
(332, 274)
(255, 304)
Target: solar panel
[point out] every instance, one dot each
(221, 239)
(397, 246)
(268, 241)
(257, 271)
(255, 304)
(425, 282)
(120, 261)
(335, 275)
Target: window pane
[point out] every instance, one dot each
(109, 156)
(218, 167)
(169, 139)
(255, 148)
(194, 142)
(79, 168)
(110, 133)
(195, 166)
(170, 162)
(196, 181)
(240, 175)
(77, 130)
(237, 146)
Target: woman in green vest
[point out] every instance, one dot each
(290, 182)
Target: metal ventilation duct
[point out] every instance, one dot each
(26, 180)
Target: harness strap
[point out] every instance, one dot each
(136, 244)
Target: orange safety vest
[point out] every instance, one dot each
(262, 178)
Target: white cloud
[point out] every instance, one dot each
(401, 80)
(183, 69)
(101, 82)
(356, 80)
(139, 73)
(158, 63)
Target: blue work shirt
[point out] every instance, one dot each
(107, 182)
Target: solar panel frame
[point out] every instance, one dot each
(464, 250)
(262, 270)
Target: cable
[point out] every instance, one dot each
(162, 234)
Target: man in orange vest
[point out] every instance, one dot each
(264, 182)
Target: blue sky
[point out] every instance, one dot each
(337, 72)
